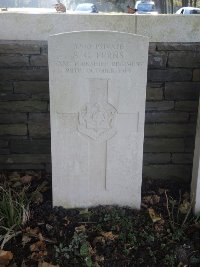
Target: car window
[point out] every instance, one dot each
(194, 11)
(145, 7)
(83, 8)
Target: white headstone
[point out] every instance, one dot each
(195, 186)
(97, 104)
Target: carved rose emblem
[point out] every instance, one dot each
(97, 121)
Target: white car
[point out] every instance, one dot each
(188, 10)
(86, 8)
(145, 7)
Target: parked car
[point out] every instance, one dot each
(145, 7)
(188, 10)
(86, 8)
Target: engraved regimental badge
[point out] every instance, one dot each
(97, 121)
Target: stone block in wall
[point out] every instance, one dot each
(44, 48)
(182, 172)
(169, 130)
(13, 129)
(34, 89)
(182, 91)
(13, 118)
(182, 158)
(25, 158)
(28, 166)
(156, 158)
(48, 168)
(154, 91)
(166, 46)
(14, 61)
(29, 74)
(30, 146)
(152, 47)
(11, 96)
(193, 117)
(163, 145)
(189, 144)
(186, 106)
(4, 151)
(196, 75)
(185, 59)
(152, 117)
(3, 143)
(169, 75)
(20, 47)
(39, 117)
(6, 87)
(23, 106)
(40, 60)
(39, 130)
(157, 60)
(159, 105)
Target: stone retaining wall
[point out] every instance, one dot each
(171, 107)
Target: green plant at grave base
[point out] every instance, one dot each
(197, 219)
(14, 207)
(78, 248)
(179, 214)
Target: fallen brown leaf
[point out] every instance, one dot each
(38, 246)
(152, 199)
(80, 229)
(45, 264)
(39, 255)
(99, 258)
(109, 235)
(185, 206)
(26, 179)
(159, 226)
(25, 239)
(155, 217)
(5, 257)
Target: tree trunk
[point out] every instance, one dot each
(172, 6)
(184, 2)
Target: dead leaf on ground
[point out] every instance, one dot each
(99, 258)
(33, 231)
(159, 226)
(155, 217)
(5, 257)
(185, 206)
(39, 255)
(38, 246)
(67, 221)
(109, 235)
(26, 179)
(80, 229)
(152, 199)
(46, 264)
(25, 239)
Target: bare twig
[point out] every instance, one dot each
(179, 202)
(168, 211)
(188, 212)
(9, 235)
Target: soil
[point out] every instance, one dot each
(163, 233)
